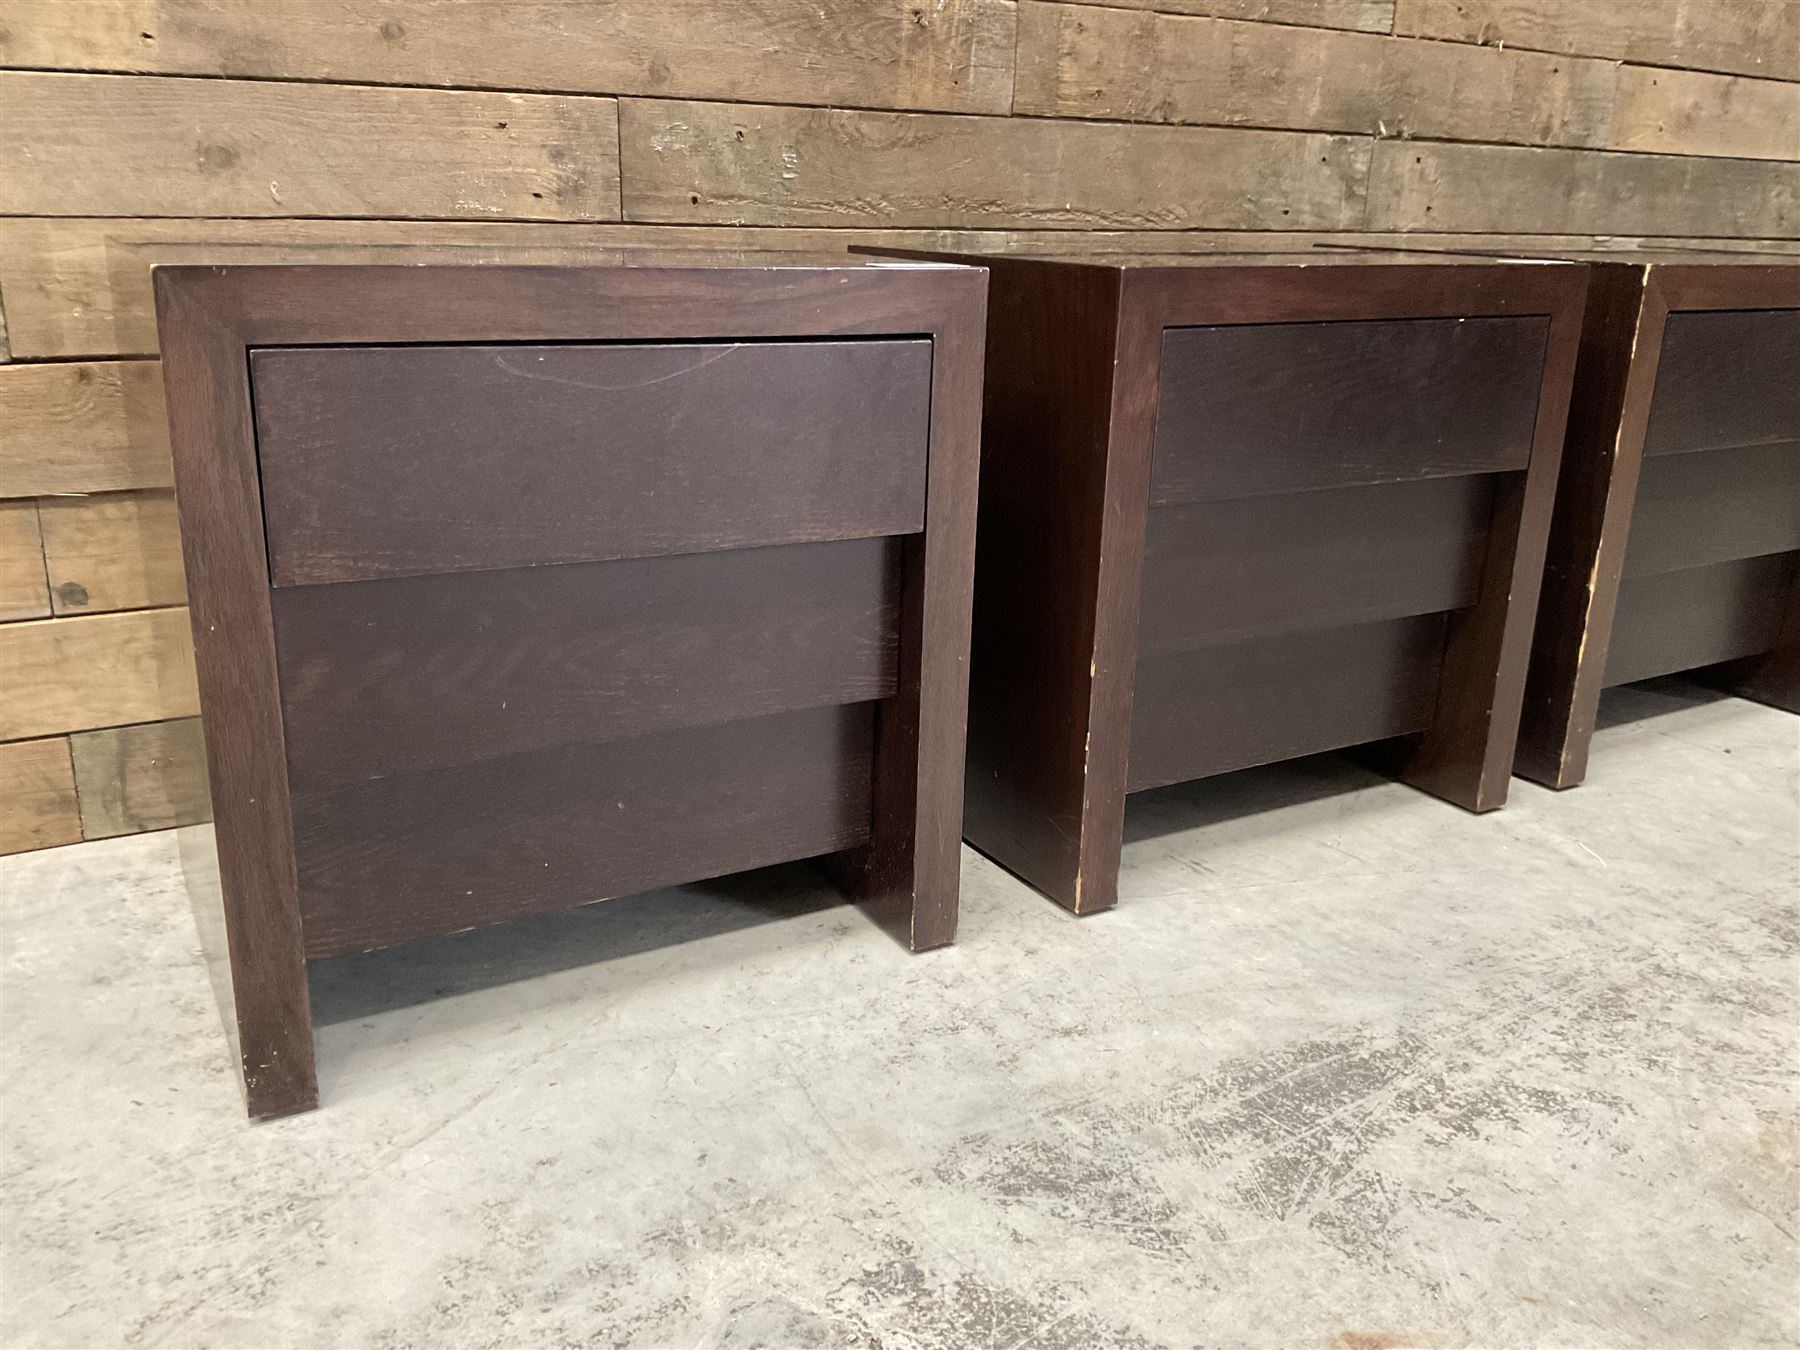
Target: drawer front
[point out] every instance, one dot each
(417, 854)
(1223, 571)
(1670, 621)
(1726, 377)
(1251, 409)
(1712, 506)
(1216, 709)
(399, 461)
(415, 673)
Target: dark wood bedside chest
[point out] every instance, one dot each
(516, 588)
(1241, 509)
(1676, 543)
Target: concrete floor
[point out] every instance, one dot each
(1347, 1068)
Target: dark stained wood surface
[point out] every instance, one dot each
(422, 672)
(1035, 671)
(1671, 621)
(1715, 505)
(437, 851)
(875, 784)
(1219, 708)
(1222, 571)
(394, 461)
(1259, 408)
(1073, 386)
(1726, 377)
(1727, 381)
(247, 910)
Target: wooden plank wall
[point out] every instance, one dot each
(138, 131)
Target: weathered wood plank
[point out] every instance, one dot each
(1745, 37)
(103, 670)
(23, 594)
(78, 34)
(953, 56)
(150, 777)
(741, 164)
(117, 551)
(1076, 60)
(114, 145)
(82, 427)
(37, 796)
(1681, 112)
(81, 286)
(1368, 16)
(1079, 61)
(1415, 185)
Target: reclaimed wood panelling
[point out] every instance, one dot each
(1424, 186)
(117, 551)
(1080, 61)
(101, 670)
(738, 164)
(953, 55)
(82, 427)
(1076, 60)
(37, 796)
(1745, 37)
(150, 777)
(1369, 16)
(23, 593)
(1684, 112)
(113, 145)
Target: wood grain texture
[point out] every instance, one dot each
(131, 779)
(884, 54)
(1419, 186)
(88, 35)
(23, 591)
(1713, 506)
(37, 796)
(452, 669)
(1750, 37)
(1682, 112)
(104, 670)
(116, 551)
(81, 286)
(1224, 572)
(1214, 709)
(455, 848)
(1674, 621)
(1247, 409)
(1726, 377)
(522, 455)
(1369, 16)
(82, 427)
(1076, 60)
(114, 145)
(743, 164)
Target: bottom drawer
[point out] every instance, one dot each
(1215, 709)
(1698, 616)
(419, 854)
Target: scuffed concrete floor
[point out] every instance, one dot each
(1347, 1068)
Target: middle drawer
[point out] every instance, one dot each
(398, 461)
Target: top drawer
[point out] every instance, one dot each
(395, 461)
(1726, 378)
(1249, 409)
